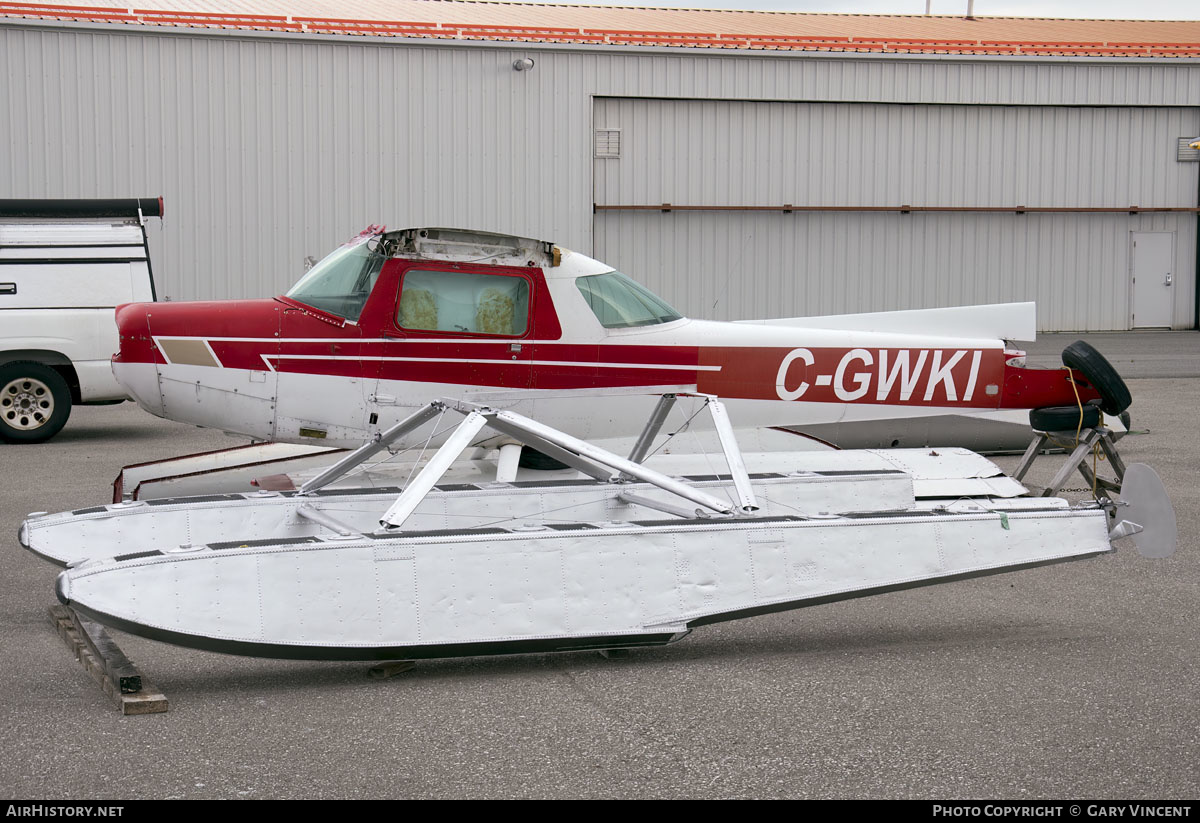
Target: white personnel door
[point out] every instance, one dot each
(1153, 276)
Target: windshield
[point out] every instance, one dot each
(341, 282)
(620, 303)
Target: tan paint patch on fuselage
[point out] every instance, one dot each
(188, 352)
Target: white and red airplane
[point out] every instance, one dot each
(392, 319)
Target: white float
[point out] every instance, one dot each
(621, 555)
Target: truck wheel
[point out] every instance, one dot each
(34, 402)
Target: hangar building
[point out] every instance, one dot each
(741, 164)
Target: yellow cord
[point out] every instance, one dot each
(1079, 428)
(1078, 402)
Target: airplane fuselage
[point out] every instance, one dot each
(534, 338)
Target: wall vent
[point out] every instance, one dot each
(608, 143)
(1187, 155)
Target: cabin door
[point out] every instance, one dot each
(455, 331)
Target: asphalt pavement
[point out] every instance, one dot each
(1133, 354)
(1077, 680)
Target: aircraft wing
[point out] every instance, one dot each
(1008, 321)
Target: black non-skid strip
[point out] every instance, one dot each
(457, 487)
(90, 510)
(883, 515)
(719, 521)
(120, 558)
(251, 544)
(396, 535)
(363, 490)
(535, 484)
(849, 472)
(200, 498)
(1039, 510)
(571, 527)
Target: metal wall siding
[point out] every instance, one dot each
(1076, 267)
(268, 149)
(742, 153)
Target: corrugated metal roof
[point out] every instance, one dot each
(704, 28)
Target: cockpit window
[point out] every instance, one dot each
(621, 303)
(341, 283)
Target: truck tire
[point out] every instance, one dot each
(1100, 373)
(35, 402)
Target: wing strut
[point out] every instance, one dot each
(591, 460)
(373, 447)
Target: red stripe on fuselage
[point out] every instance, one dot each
(970, 378)
(883, 376)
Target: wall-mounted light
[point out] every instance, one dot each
(1195, 144)
(524, 64)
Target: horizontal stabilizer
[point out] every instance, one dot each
(1007, 321)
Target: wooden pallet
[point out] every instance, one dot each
(108, 666)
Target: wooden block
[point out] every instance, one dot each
(148, 702)
(116, 665)
(104, 661)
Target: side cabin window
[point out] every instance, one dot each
(621, 303)
(464, 303)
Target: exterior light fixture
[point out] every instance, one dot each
(524, 64)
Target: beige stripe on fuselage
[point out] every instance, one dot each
(188, 352)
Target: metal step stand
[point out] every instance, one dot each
(1088, 440)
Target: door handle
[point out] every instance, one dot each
(8, 288)
(1167, 282)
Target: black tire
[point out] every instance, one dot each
(1100, 373)
(1063, 418)
(35, 402)
(533, 459)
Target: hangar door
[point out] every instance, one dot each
(724, 258)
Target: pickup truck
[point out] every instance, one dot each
(65, 265)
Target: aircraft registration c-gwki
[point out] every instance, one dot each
(391, 320)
